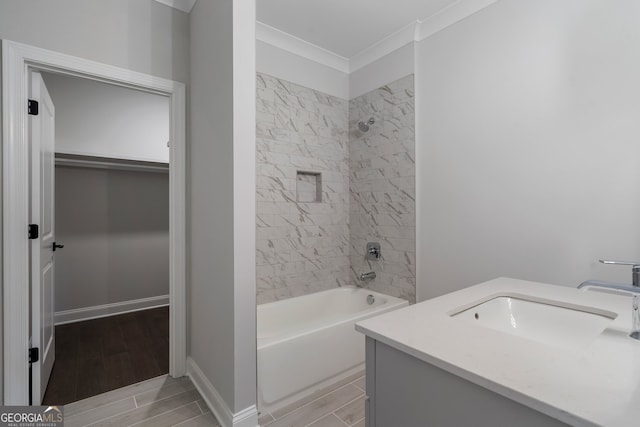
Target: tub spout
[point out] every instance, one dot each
(365, 277)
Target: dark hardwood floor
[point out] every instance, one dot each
(99, 355)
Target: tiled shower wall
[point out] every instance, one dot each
(382, 182)
(302, 190)
(309, 154)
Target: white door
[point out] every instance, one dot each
(42, 248)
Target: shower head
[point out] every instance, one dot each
(364, 126)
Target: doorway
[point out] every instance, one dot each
(111, 217)
(18, 61)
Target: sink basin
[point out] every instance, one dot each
(547, 322)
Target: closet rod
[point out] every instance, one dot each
(111, 164)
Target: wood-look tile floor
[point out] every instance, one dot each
(339, 405)
(159, 402)
(166, 401)
(104, 354)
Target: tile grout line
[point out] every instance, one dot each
(324, 416)
(193, 418)
(273, 419)
(100, 406)
(311, 401)
(346, 404)
(318, 398)
(106, 418)
(163, 413)
(317, 419)
(354, 384)
(118, 389)
(330, 413)
(110, 416)
(164, 397)
(357, 421)
(131, 410)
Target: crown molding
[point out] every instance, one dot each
(413, 32)
(383, 47)
(417, 31)
(183, 5)
(297, 46)
(449, 16)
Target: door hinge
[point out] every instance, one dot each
(34, 231)
(34, 355)
(33, 107)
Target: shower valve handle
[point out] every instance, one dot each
(373, 252)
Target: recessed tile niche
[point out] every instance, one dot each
(308, 187)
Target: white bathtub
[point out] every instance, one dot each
(308, 342)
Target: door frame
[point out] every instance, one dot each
(17, 60)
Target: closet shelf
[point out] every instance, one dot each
(72, 160)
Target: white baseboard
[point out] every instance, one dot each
(87, 313)
(246, 418)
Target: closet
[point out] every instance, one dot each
(112, 216)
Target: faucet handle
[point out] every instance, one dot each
(633, 263)
(635, 269)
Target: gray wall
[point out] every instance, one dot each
(222, 192)
(103, 120)
(140, 35)
(211, 218)
(114, 224)
(115, 228)
(527, 144)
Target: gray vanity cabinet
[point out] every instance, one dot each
(405, 391)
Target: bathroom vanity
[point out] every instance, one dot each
(505, 352)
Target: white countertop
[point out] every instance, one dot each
(598, 385)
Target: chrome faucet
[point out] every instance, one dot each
(634, 289)
(635, 269)
(635, 318)
(365, 277)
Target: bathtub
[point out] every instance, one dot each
(308, 342)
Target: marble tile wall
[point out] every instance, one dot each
(382, 183)
(367, 189)
(302, 246)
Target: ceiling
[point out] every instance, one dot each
(346, 27)
(183, 5)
